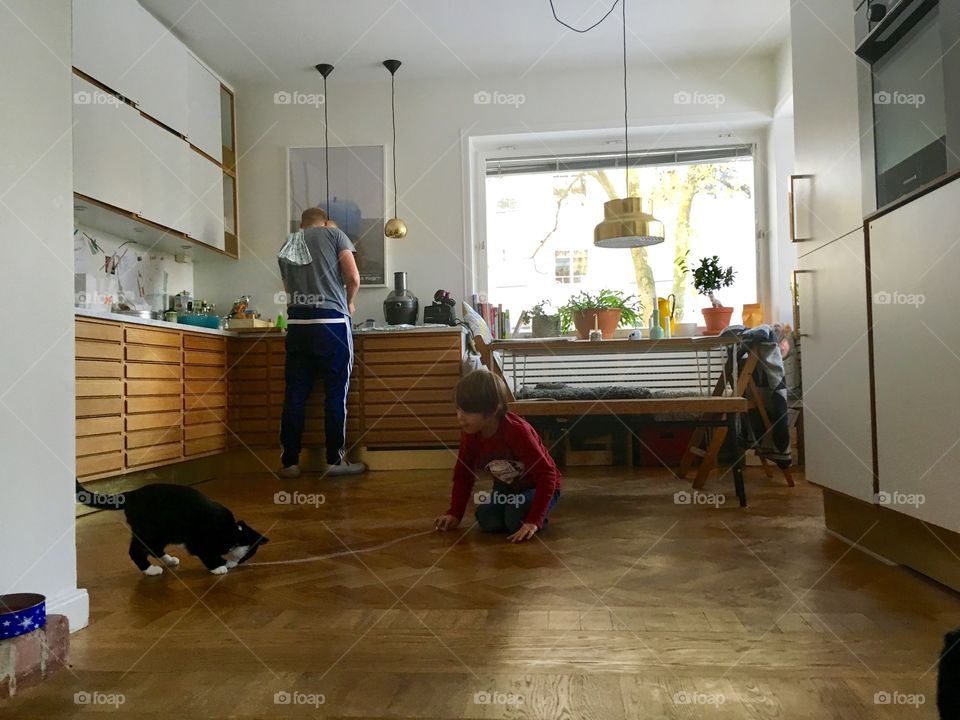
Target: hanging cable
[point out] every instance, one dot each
(587, 29)
(326, 144)
(626, 135)
(393, 114)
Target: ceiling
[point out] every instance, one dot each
(250, 41)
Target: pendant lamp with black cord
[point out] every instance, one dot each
(625, 224)
(395, 227)
(325, 69)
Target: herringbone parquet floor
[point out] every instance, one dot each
(632, 606)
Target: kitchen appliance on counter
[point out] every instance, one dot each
(442, 311)
(401, 306)
(909, 89)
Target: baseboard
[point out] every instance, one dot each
(895, 537)
(75, 604)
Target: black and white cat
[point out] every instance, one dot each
(161, 515)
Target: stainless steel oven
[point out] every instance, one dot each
(910, 93)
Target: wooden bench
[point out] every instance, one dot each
(714, 413)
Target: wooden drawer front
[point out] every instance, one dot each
(202, 402)
(199, 417)
(153, 387)
(402, 383)
(238, 413)
(276, 345)
(240, 373)
(205, 387)
(99, 464)
(202, 372)
(204, 445)
(249, 425)
(374, 425)
(87, 330)
(249, 396)
(421, 410)
(153, 404)
(147, 438)
(88, 407)
(163, 338)
(99, 388)
(204, 342)
(436, 395)
(153, 454)
(413, 436)
(194, 432)
(97, 444)
(99, 425)
(152, 371)
(428, 367)
(144, 353)
(98, 369)
(204, 357)
(399, 345)
(95, 350)
(153, 420)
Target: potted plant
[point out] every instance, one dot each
(608, 309)
(543, 324)
(708, 278)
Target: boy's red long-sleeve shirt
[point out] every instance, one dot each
(516, 441)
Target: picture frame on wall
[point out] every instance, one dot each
(357, 199)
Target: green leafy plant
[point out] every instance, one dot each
(538, 310)
(708, 277)
(629, 306)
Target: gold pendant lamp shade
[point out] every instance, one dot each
(625, 224)
(395, 227)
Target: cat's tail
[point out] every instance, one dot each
(98, 500)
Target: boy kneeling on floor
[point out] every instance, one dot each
(526, 482)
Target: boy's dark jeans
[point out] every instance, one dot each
(504, 509)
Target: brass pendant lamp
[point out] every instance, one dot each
(625, 224)
(395, 227)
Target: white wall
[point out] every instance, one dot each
(434, 120)
(37, 529)
(782, 253)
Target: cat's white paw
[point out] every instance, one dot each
(170, 560)
(153, 570)
(231, 564)
(222, 570)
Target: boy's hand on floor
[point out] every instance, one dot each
(526, 531)
(446, 522)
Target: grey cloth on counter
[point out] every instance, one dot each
(318, 284)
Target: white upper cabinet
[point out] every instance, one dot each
(203, 109)
(106, 147)
(831, 286)
(107, 44)
(206, 201)
(826, 120)
(164, 163)
(161, 73)
(915, 261)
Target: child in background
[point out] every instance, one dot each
(526, 482)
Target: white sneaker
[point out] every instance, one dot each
(290, 473)
(346, 468)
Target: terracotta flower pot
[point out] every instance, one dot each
(607, 321)
(716, 319)
(545, 326)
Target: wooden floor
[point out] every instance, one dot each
(632, 606)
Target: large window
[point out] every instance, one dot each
(541, 213)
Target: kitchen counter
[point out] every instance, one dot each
(133, 320)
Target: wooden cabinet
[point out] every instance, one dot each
(914, 263)
(203, 110)
(164, 163)
(152, 390)
(828, 204)
(99, 404)
(836, 373)
(204, 394)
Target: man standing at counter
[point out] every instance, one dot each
(321, 281)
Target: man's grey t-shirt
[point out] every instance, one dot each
(319, 284)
